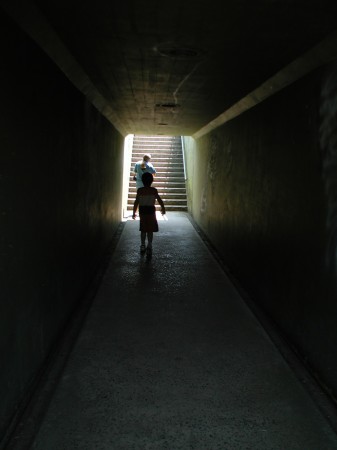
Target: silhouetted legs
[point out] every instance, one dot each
(143, 235)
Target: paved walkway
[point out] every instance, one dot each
(170, 357)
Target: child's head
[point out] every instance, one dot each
(147, 179)
(147, 157)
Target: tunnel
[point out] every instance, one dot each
(250, 89)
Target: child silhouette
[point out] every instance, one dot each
(145, 200)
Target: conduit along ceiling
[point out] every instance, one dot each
(174, 67)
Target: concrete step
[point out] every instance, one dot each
(156, 139)
(160, 146)
(165, 192)
(139, 143)
(165, 196)
(170, 147)
(165, 172)
(156, 150)
(169, 201)
(159, 157)
(172, 195)
(171, 155)
(156, 147)
(164, 188)
(166, 178)
(173, 187)
(168, 208)
(164, 167)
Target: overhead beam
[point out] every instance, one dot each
(322, 53)
(27, 15)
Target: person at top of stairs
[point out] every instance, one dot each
(142, 167)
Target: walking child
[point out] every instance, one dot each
(146, 199)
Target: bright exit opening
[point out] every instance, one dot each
(168, 159)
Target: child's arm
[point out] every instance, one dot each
(160, 201)
(135, 206)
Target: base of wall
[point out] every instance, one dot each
(26, 421)
(312, 384)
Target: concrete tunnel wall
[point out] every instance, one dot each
(60, 206)
(263, 188)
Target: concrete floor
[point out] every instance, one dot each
(171, 357)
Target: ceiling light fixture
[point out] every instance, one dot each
(178, 52)
(168, 105)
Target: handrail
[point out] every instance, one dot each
(183, 150)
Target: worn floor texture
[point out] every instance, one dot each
(171, 357)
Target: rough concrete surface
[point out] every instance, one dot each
(170, 357)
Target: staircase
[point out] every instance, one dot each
(167, 158)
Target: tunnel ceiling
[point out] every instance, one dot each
(172, 67)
